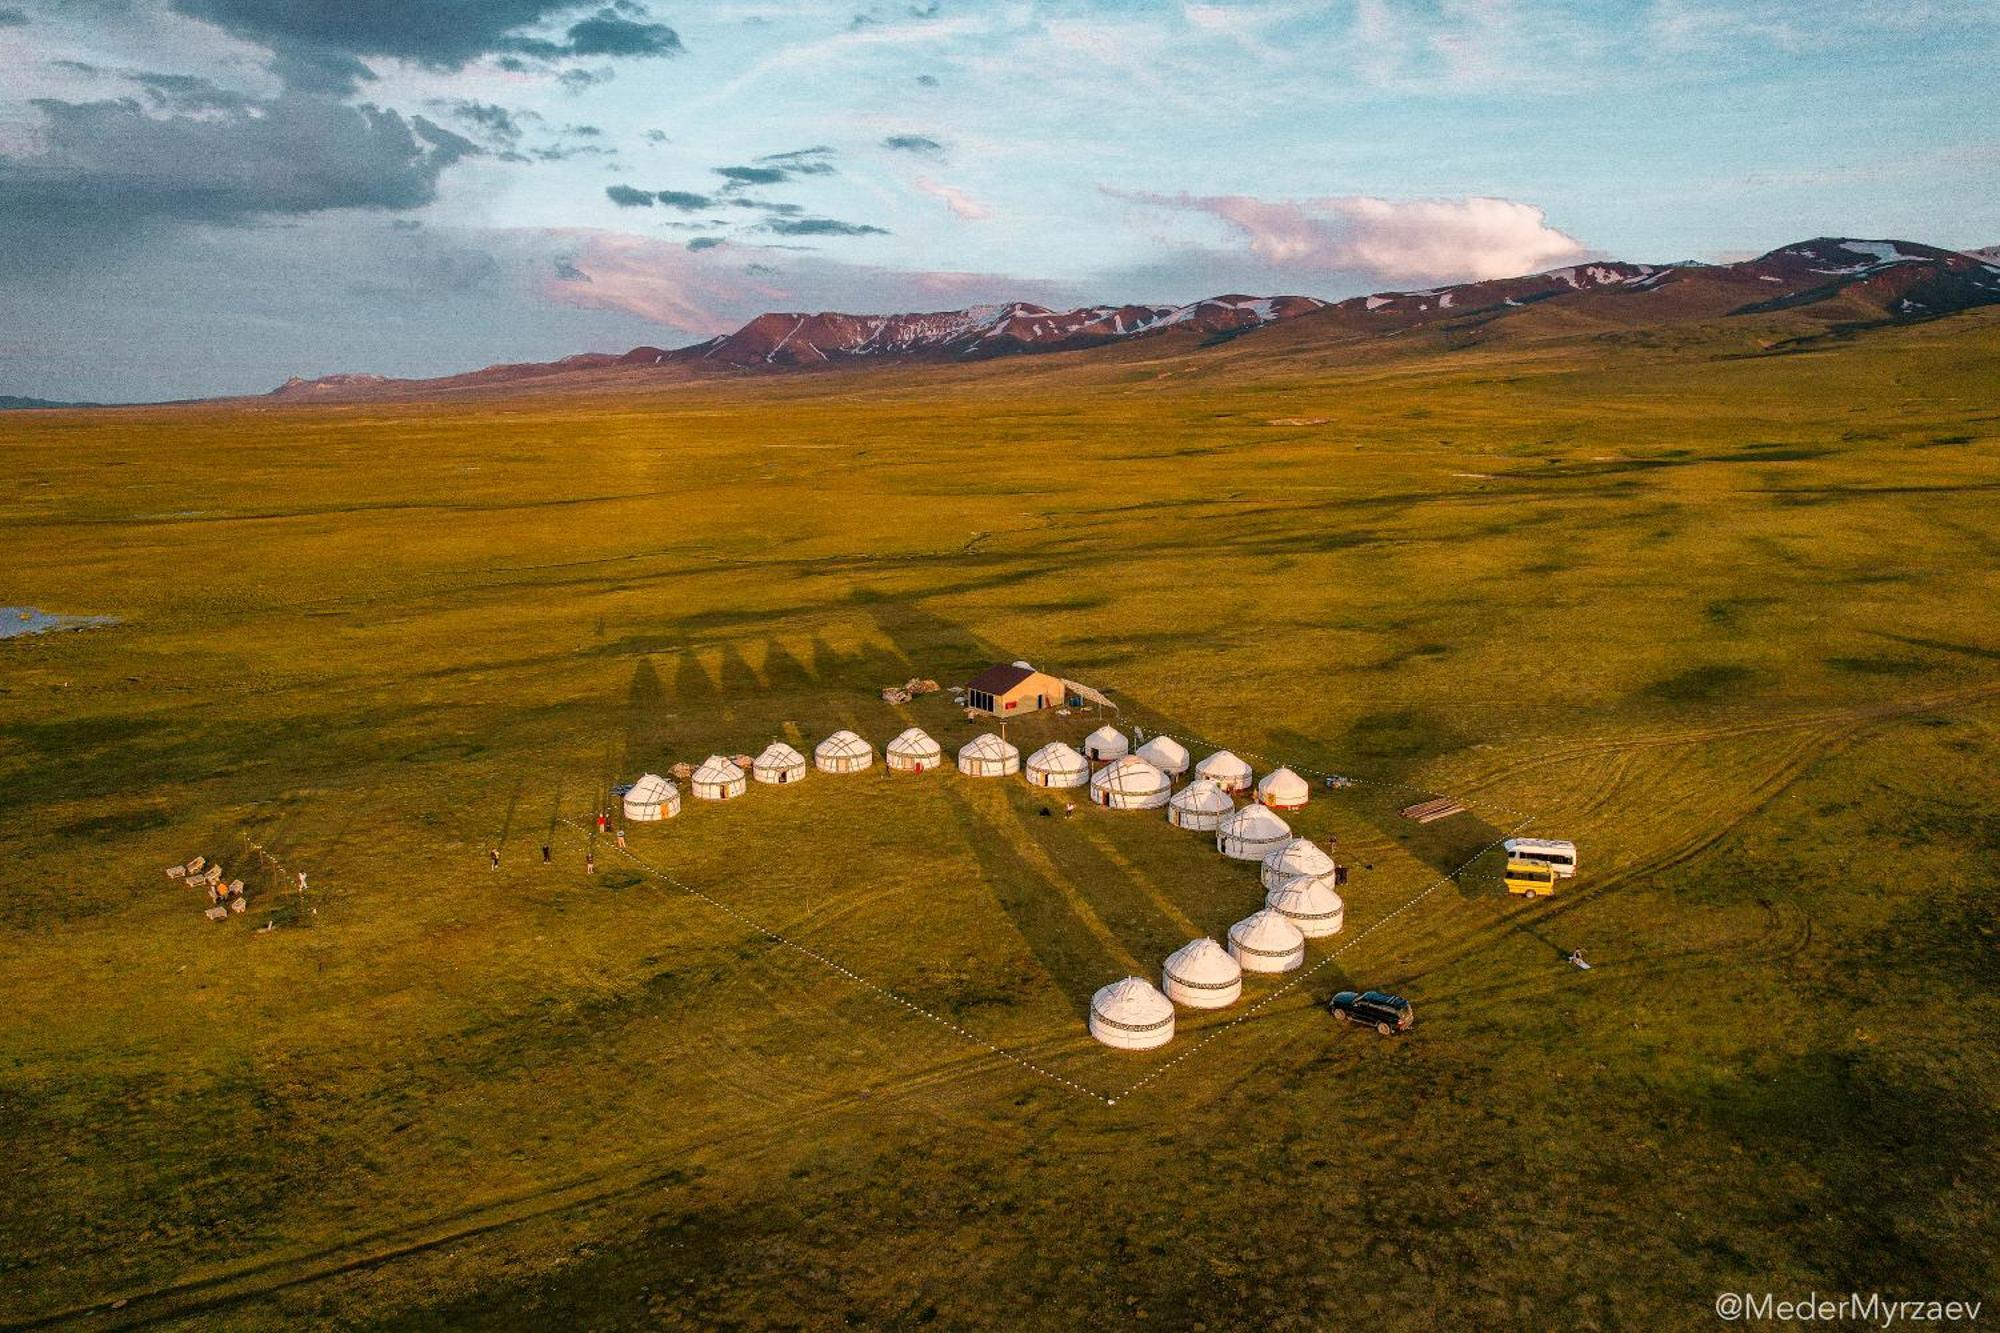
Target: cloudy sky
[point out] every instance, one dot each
(206, 196)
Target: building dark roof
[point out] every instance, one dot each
(997, 680)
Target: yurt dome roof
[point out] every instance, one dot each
(1132, 1003)
(842, 745)
(986, 745)
(1165, 752)
(1223, 764)
(780, 755)
(1203, 962)
(715, 768)
(1307, 896)
(1285, 785)
(652, 789)
(1107, 736)
(1055, 757)
(1300, 856)
(1267, 932)
(1254, 823)
(914, 741)
(1203, 797)
(1132, 776)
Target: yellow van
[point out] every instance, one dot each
(1529, 879)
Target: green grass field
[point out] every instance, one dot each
(1728, 620)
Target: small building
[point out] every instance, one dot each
(987, 756)
(843, 752)
(718, 779)
(1202, 975)
(1056, 765)
(1105, 744)
(1131, 1015)
(1200, 805)
(1019, 688)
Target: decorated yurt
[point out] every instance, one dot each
(1166, 754)
(1283, 789)
(718, 780)
(914, 752)
(1105, 744)
(1310, 903)
(1226, 771)
(1201, 805)
(987, 756)
(843, 752)
(1251, 834)
(1130, 784)
(1300, 856)
(779, 764)
(652, 798)
(1201, 975)
(1267, 942)
(1056, 765)
(1131, 1015)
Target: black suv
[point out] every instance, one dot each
(1389, 1013)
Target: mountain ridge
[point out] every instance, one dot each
(1852, 281)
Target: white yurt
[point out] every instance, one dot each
(652, 798)
(1201, 805)
(987, 756)
(1166, 754)
(1300, 856)
(914, 752)
(1056, 765)
(779, 764)
(1251, 834)
(1226, 771)
(1131, 1015)
(1283, 789)
(1106, 743)
(1201, 975)
(718, 780)
(843, 752)
(1267, 942)
(1310, 903)
(1130, 784)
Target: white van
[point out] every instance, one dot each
(1558, 856)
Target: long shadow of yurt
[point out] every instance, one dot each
(645, 717)
(1390, 748)
(1066, 949)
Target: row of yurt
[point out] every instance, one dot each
(1056, 765)
(652, 798)
(1130, 783)
(778, 765)
(913, 752)
(987, 756)
(843, 752)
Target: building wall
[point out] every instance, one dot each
(1021, 699)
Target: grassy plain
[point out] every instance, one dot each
(1728, 620)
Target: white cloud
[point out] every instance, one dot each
(1411, 240)
(960, 203)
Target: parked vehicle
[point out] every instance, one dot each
(1528, 879)
(1387, 1014)
(1558, 856)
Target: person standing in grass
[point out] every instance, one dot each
(545, 853)
(590, 863)
(495, 855)
(621, 839)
